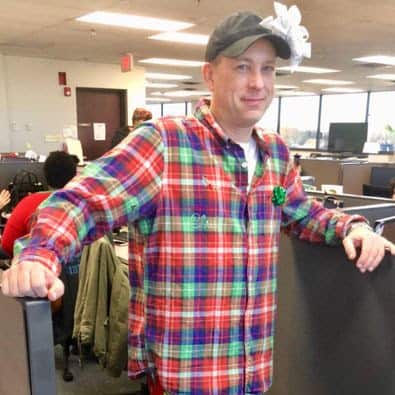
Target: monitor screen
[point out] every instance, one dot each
(347, 137)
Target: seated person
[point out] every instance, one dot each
(5, 198)
(139, 116)
(59, 168)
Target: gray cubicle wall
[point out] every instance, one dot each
(373, 212)
(352, 200)
(335, 332)
(27, 362)
(9, 168)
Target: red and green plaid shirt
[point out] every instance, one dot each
(203, 250)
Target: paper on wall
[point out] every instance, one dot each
(99, 131)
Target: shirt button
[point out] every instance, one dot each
(244, 165)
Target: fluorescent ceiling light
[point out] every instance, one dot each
(382, 59)
(159, 85)
(165, 76)
(157, 99)
(182, 93)
(328, 82)
(295, 93)
(306, 69)
(187, 38)
(285, 86)
(156, 93)
(339, 89)
(389, 77)
(172, 62)
(133, 21)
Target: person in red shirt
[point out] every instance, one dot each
(59, 168)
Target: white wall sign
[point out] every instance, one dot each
(99, 131)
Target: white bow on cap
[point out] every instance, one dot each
(287, 25)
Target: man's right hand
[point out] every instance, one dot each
(31, 279)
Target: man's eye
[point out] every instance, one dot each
(242, 67)
(268, 69)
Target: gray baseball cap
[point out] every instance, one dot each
(238, 32)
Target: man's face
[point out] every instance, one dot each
(243, 87)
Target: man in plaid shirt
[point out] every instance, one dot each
(205, 198)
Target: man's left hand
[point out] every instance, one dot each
(373, 248)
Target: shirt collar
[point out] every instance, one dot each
(203, 114)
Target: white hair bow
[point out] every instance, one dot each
(287, 25)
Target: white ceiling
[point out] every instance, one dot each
(339, 31)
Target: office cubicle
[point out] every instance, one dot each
(335, 332)
(27, 363)
(352, 174)
(350, 200)
(9, 168)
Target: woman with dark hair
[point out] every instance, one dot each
(59, 169)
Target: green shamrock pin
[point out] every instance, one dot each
(279, 194)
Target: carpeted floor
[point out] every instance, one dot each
(91, 379)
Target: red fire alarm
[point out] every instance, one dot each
(126, 62)
(67, 91)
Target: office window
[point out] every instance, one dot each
(348, 107)
(381, 117)
(191, 107)
(269, 119)
(155, 109)
(299, 120)
(174, 109)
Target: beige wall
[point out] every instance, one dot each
(36, 111)
(4, 132)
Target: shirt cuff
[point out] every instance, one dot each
(42, 256)
(355, 225)
(346, 222)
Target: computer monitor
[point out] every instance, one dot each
(347, 137)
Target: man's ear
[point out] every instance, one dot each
(207, 72)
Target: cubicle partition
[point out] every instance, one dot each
(27, 362)
(9, 168)
(352, 174)
(349, 200)
(335, 332)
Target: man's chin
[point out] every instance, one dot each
(252, 117)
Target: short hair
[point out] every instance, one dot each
(59, 168)
(141, 114)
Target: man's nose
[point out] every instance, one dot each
(256, 80)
